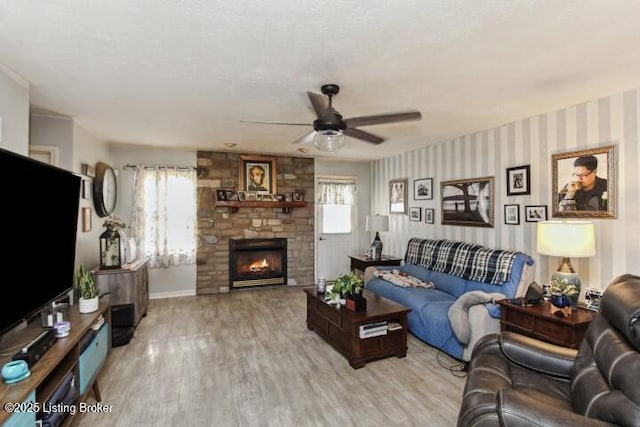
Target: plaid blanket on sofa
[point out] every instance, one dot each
(466, 260)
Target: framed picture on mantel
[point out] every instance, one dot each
(258, 173)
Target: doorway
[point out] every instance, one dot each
(335, 227)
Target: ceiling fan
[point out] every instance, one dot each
(330, 129)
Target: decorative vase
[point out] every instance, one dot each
(561, 301)
(88, 305)
(567, 282)
(560, 305)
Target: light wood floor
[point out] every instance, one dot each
(247, 359)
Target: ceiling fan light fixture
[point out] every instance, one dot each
(329, 140)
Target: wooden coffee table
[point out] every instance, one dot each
(341, 327)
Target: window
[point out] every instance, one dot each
(164, 215)
(336, 219)
(336, 200)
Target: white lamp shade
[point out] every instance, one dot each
(377, 223)
(566, 238)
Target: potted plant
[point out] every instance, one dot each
(86, 291)
(346, 285)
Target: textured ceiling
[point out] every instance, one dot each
(185, 73)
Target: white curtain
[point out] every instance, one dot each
(164, 215)
(336, 193)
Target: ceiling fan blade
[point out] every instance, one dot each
(382, 119)
(320, 104)
(365, 136)
(305, 139)
(275, 123)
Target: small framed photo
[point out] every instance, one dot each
(535, 213)
(398, 196)
(88, 170)
(429, 215)
(232, 195)
(518, 180)
(87, 188)
(221, 195)
(415, 214)
(288, 197)
(251, 195)
(423, 189)
(242, 196)
(86, 219)
(297, 196)
(512, 214)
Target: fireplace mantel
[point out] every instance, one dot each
(235, 205)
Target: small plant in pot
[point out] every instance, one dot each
(86, 291)
(346, 285)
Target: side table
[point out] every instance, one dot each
(360, 263)
(537, 321)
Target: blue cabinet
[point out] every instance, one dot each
(93, 357)
(26, 418)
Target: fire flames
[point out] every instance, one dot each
(259, 266)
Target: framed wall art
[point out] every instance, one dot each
(87, 188)
(221, 195)
(519, 180)
(535, 213)
(415, 214)
(258, 173)
(423, 189)
(468, 202)
(86, 219)
(512, 214)
(429, 215)
(584, 183)
(398, 196)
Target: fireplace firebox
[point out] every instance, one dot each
(257, 262)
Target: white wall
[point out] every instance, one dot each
(75, 146)
(163, 282)
(609, 120)
(14, 111)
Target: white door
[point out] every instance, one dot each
(336, 239)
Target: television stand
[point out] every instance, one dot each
(65, 356)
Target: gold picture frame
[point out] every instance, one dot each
(573, 171)
(258, 173)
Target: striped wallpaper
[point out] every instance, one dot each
(531, 141)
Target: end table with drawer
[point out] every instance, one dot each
(537, 321)
(360, 263)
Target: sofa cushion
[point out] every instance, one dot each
(465, 260)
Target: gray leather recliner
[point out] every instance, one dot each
(515, 380)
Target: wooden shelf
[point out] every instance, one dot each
(235, 205)
(60, 359)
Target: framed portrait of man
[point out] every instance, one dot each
(258, 173)
(584, 183)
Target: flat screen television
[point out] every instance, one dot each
(39, 217)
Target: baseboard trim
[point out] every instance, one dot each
(173, 294)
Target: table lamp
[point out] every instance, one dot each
(377, 223)
(566, 239)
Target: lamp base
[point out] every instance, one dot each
(563, 281)
(376, 248)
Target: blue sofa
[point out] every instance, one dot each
(466, 278)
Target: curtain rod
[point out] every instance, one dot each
(158, 167)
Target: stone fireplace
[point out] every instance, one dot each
(219, 225)
(257, 262)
